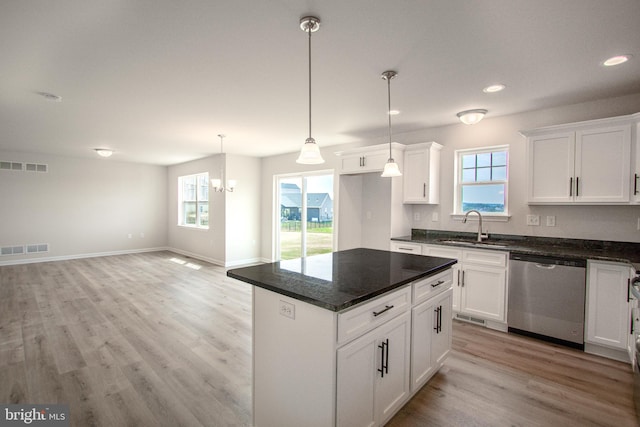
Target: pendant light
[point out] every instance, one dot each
(310, 152)
(218, 184)
(391, 167)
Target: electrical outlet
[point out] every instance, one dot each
(533, 219)
(638, 223)
(416, 216)
(287, 309)
(129, 236)
(551, 221)
(434, 216)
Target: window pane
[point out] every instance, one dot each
(500, 158)
(484, 198)
(484, 174)
(189, 213)
(469, 161)
(189, 188)
(203, 210)
(484, 159)
(500, 173)
(203, 187)
(468, 175)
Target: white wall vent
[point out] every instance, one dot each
(12, 166)
(18, 166)
(12, 250)
(35, 167)
(40, 247)
(470, 319)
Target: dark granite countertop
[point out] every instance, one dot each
(625, 252)
(339, 280)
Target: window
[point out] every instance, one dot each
(193, 200)
(481, 180)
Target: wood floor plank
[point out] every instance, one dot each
(143, 340)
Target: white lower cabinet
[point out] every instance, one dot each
(373, 374)
(430, 337)
(608, 318)
(479, 281)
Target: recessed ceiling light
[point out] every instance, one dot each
(616, 60)
(394, 112)
(104, 152)
(50, 96)
(494, 88)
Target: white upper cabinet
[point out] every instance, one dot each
(580, 163)
(635, 175)
(422, 173)
(369, 159)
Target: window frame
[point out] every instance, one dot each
(197, 201)
(458, 213)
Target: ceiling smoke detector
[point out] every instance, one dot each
(50, 96)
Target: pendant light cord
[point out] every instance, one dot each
(389, 111)
(309, 25)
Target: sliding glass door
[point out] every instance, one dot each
(305, 212)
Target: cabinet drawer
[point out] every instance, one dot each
(407, 248)
(426, 288)
(485, 257)
(362, 318)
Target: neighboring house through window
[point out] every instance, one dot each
(193, 200)
(482, 177)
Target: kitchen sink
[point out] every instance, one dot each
(475, 244)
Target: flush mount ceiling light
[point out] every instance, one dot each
(218, 184)
(310, 152)
(104, 152)
(616, 60)
(494, 88)
(391, 167)
(50, 96)
(471, 117)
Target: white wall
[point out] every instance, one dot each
(234, 217)
(243, 211)
(81, 207)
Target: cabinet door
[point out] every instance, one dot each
(602, 165)
(365, 395)
(351, 163)
(441, 342)
(430, 337)
(551, 166)
(483, 292)
(416, 176)
(392, 389)
(356, 376)
(449, 252)
(374, 162)
(607, 304)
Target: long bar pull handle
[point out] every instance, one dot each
(571, 187)
(635, 184)
(577, 186)
(386, 308)
(463, 278)
(458, 277)
(438, 283)
(384, 358)
(386, 361)
(440, 320)
(628, 289)
(424, 189)
(364, 161)
(435, 328)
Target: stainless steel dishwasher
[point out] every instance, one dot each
(546, 298)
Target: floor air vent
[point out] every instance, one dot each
(469, 319)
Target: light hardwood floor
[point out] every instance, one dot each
(153, 340)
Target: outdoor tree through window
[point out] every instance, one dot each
(482, 178)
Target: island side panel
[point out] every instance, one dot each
(294, 362)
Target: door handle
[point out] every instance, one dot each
(577, 186)
(384, 358)
(438, 283)
(571, 187)
(463, 278)
(386, 308)
(635, 184)
(424, 190)
(458, 277)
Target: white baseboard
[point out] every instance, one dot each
(197, 256)
(79, 256)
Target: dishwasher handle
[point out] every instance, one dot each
(545, 266)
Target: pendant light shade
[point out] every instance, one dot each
(310, 152)
(391, 168)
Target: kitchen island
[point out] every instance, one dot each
(345, 338)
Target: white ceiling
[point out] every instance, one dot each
(157, 80)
